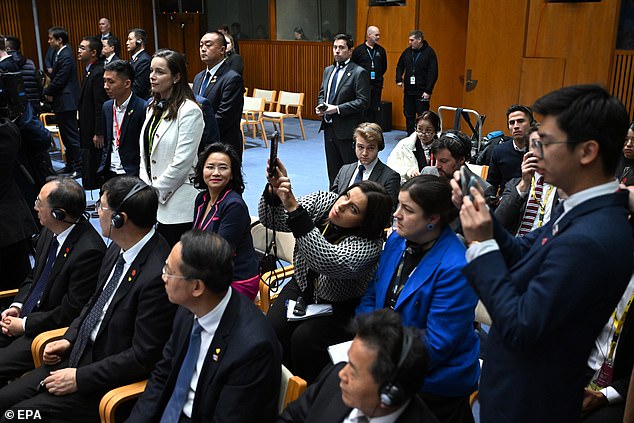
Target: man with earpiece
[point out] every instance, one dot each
(386, 367)
(140, 62)
(68, 255)
(119, 335)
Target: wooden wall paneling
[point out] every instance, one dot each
(540, 76)
(622, 79)
(582, 33)
(444, 23)
(495, 44)
(395, 24)
(182, 32)
(16, 18)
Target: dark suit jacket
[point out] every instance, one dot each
(549, 293)
(511, 208)
(241, 376)
(322, 403)
(141, 66)
(64, 86)
(380, 174)
(72, 280)
(115, 57)
(352, 97)
(136, 325)
(130, 135)
(91, 100)
(225, 92)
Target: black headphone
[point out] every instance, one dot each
(381, 144)
(391, 393)
(60, 214)
(524, 109)
(138, 42)
(161, 105)
(117, 220)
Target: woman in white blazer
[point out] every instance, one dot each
(169, 143)
(413, 153)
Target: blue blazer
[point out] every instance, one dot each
(64, 86)
(549, 294)
(130, 134)
(437, 299)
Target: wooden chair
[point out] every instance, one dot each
(290, 388)
(112, 399)
(268, 96)
(286, 103)
(252, 116)
(47, 120)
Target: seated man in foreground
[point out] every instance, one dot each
(118, 337)
(223, 361)
(386, 368)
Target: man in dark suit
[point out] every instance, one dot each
(63, 92)
(223, 360)
(343, 98)
(223, 87)
(111, 48)
(123, 117)
(368, 141)
(372, 57)
(140, 61)
(550, 292)
(386, 367)
(68, 256)
(119, 335)
(91, 100)
(104, 29)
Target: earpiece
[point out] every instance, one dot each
(58, 214)
(117, 220)
(138, 42)
(391, 393)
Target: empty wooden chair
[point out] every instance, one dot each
(286, 103)
(268, 96)
(252, 116)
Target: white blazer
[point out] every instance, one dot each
(172, 160)
(402, 159)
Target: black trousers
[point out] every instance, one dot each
(305, 342)
(15, 356)
(375, 104)
(413, 106)
(338, 152)
(69, 131)
(172, 233)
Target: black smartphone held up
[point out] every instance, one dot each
(322, 107)
(469, 179)
(273, 156)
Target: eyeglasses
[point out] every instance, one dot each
(37, 201)
(538, 146)
(98, 206)
(425, 132)
(169, 275)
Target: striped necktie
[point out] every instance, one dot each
(532, 207)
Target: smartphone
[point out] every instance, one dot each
(322, 107)
(469, 179)
(273, 156)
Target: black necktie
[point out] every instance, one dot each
(42, 281)
(91, 320)
(333, 85)
(359, 176)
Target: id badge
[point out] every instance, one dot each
(412, 80)
(604, 378)
(372, 75)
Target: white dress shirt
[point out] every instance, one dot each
(115, 158)
(366, 173)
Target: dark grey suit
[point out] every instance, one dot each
(380, 174)
(352, 97)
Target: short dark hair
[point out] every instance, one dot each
(113, 41)
(433, 194)
(122, 67)
(432, 118)
(348, 39)
(521, 108)
(632, 126)
(458, 144)
(59, 32)
(220, 40)
(12, 43)
(67, 195)
(94, 43)
(417, 33)
(141, 208)
(139, 34)
(589, 112)
(207, 256)
(236, 183)
(378, 211)
(383, 331)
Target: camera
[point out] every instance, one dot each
(12, 95)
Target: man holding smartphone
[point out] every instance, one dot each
(343, 98)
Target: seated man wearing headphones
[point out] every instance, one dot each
(386, 367)
(119, 335)
(368, 141)
(68, 256)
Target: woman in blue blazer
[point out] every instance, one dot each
(420, 277)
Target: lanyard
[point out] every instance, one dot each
(371, 55)
(154, 124)
(416, 59)
(117, 134)
(618, 326)
(542, 207)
